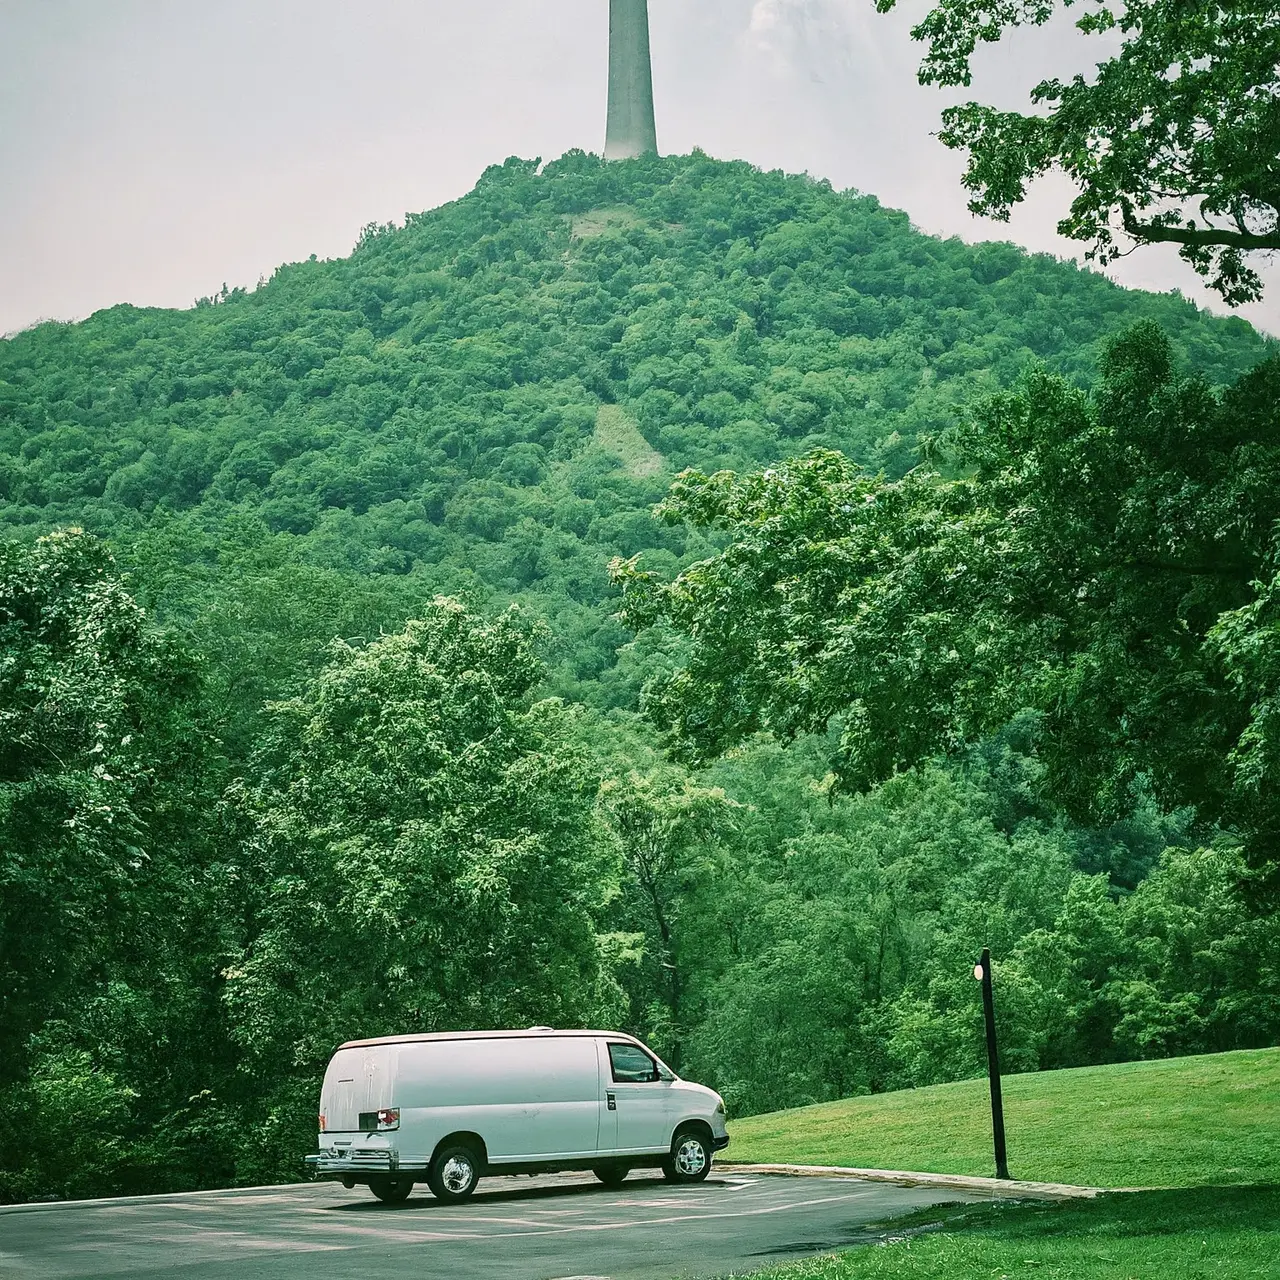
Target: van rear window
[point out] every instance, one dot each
(631, 1065)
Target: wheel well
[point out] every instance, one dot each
(700, 1127)
(464, 1139)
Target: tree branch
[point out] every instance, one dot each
(1153, 234)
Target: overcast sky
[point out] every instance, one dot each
(152, 149)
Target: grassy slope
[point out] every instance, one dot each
(617, 432)
(1228, 1234)
(1174, 1123)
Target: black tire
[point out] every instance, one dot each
(690, 1158)
(612, 1175)
(391, 1190)
(454, 1172)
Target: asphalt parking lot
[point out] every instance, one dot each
(517, 1228)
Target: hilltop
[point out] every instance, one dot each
(489, 399)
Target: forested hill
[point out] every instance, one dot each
(261, 792)
(490, 398)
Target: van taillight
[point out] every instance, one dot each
(373, 1121)
(322, 1124)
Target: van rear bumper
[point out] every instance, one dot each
(354, 1164)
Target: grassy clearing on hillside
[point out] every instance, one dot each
(1175, 1123)
(1228, 1233)
(616, 431)
(596, 222)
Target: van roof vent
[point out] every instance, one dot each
(542, 1028)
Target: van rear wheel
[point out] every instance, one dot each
(690, 1158)
(453, 1174)
(391, 1190)
(612, 1175)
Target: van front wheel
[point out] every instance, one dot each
(453, 1173)
(391, 1190)
(690, 1158)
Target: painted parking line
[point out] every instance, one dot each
(623, 1224)
(481, 1227)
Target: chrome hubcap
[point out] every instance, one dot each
(457, 1174)
(691, 1157)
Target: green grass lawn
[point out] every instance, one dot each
(1226, 1233)
(1180, 1122)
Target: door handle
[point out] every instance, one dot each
(611, 1102)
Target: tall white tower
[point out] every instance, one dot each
(632, 131)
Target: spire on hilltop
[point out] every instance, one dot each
(632, 131)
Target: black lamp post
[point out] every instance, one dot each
(982, 971)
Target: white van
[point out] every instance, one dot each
(449, 1108)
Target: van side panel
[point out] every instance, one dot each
(527, 1097)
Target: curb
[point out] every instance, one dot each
(997, 1188)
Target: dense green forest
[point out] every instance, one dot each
(320, 718)
(426, 415)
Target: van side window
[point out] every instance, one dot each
(631, 1065)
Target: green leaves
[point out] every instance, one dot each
(670, 832)
(90, 702)
(1173, 141)
(108, 776)
(424, 846)
(1093, 561)
(814, 610)
(954, 29)
(212, 870)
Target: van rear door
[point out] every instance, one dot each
(358, 1081)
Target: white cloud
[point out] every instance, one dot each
(809, 38)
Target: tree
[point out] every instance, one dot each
(110, 916)
(96, 739)
(1098, 560)
(667, 827)
(421, 852)
(1175, 140)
